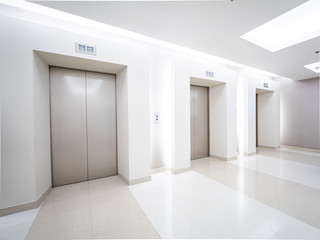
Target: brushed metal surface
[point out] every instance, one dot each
(101, 125)
(83, 125)
(68, 126)
(200, 122)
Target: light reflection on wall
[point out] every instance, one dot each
(240, 115)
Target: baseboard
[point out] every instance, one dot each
(261, 146)
(181, 170)
(126, 180)
(249, 154)
(135, 181)
(140, 180)
(26, 206)
(224, 158)
(159, 170)
(302, 149)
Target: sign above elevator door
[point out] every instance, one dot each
(210, 74)
(84, 48)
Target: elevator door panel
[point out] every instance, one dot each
(68, 126)
(101, 125)
(200, 121)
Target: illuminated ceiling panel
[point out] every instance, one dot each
(297, 25)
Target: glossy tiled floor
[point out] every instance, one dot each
(198, 207)
(16, 226)
(102, 208)
(274, 194)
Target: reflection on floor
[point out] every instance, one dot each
(191, 205)
(274, 194)
(16, 226)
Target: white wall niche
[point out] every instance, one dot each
(59, 60)
(188, 72)
(248, 85)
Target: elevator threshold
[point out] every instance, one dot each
(85, 181)
(200, 158)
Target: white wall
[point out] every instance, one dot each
(231, 116)
(42, 147)
(122, 123)
(300, 113)
(181, 116)
(0, 139)
(160, 74)
(223, 120)
(139, 119)
(17, 138)
(218, 123)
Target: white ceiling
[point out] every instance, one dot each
(213, 27)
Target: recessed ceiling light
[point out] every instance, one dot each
(297, 25)
(315, 67)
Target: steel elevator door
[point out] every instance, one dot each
(83, 125)
(199, 122)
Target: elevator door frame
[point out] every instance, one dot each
(116, 123)
(208, 122)
(257, 120)
(260, 123)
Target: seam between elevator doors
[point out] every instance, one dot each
(86, 104)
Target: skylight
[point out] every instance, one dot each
(295, 26)
(315, 67)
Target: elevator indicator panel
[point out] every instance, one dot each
(84, 48)
(210, 74)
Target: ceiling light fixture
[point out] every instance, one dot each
(315, 67)
(297, 25)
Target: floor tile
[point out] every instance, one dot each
(141, 229)
(297, 172)
(294, 199)
(224, 201)
(17, 226)
(16, 232)
(247, 229)
(102, 207)
(273, 194)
